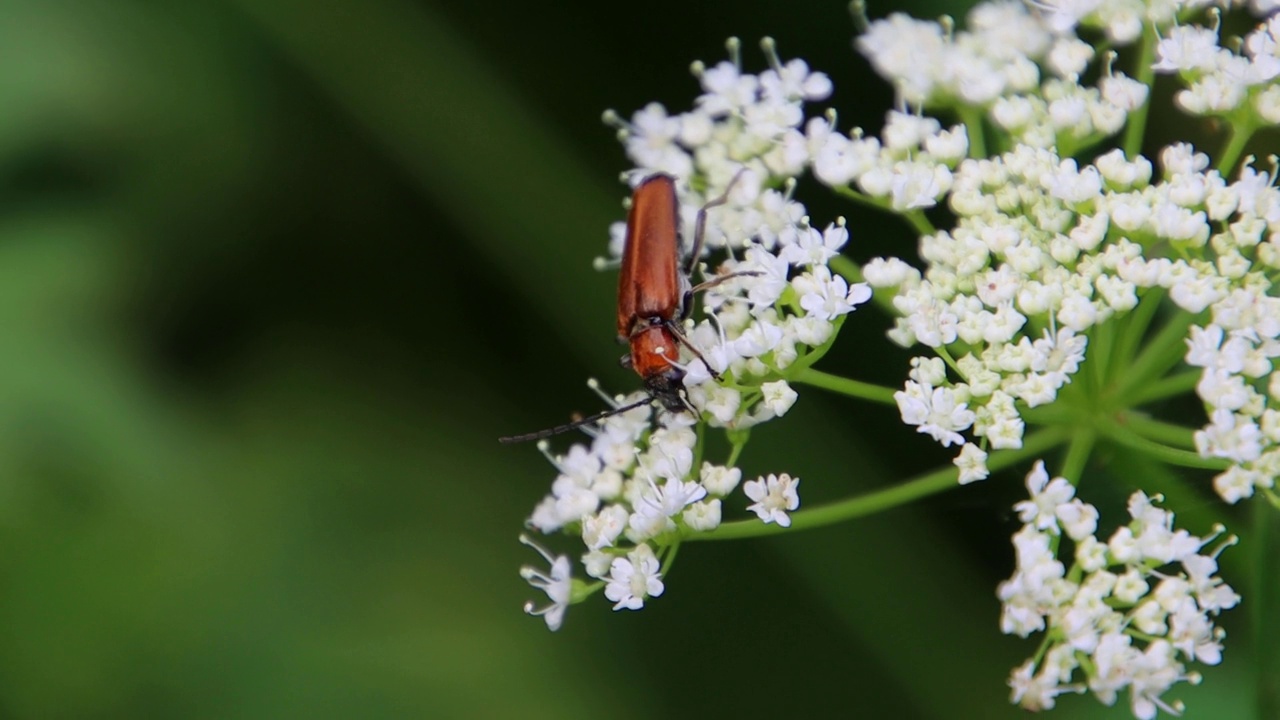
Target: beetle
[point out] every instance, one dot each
(654, 294)
(655, 297)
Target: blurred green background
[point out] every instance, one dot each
(274, 275)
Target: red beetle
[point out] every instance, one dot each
(654, 297)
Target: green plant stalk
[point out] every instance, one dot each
(1265, 548)
(1238, 136)
(1163, 352)
(1122, 435)
(923, 486)
(1160, 431)
(1166, 387)
(1136, 324)
(971, 116)
(846, 268)
(1078, 450)
(914, 218)
(1098, 370)
(846, 386)
(1136, 126)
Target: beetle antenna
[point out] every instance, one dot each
(510, 439)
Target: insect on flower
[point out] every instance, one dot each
(654, 297)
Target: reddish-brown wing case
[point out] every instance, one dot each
(649, 284)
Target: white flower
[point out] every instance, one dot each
(719, 400)
(773, 497)
(915, 185)
(657, 505)
(778, 397)
(597, 563)
(719, 480)
(1041, 511)
(1034, 692)
(703, 516)
(599, 531)
(1188, 47)
(1072, 185)
(935, 411)
(765, 288)
(972, 463)
(556, 583)
(949, 146)
(1079, 519)
(761, 337)
(811, 247)
(906, 51)
(1236, 483)
(652, 140)
(1230, 436)
(825, 296)
(727, 89)
(793, 81)
(1123, 92)
(634, 578)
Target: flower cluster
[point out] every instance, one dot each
(779, 315)
(628, 506)
(1045, 248)
(1221, 83)
(1021, 69)
(641, 485)
(632, 495)
(1120, 616)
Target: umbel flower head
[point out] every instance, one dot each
(1067, 282)
(1126, 615)
(641, 485)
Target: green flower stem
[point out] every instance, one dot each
(583, 590)
(914, 218)
(1098, 370)
(699, 448)
(1238, 136)
(1078, 450)
(919, 222)
(739, 441)
(1265, 593)
(1122, 435)
(1164, 351)
(806, 361)
(1045, 643)
(1136, 126)
(929, 484)
(1136, 324)
(845, 386)
(1166, 387)
(670, 559)
(1272, 497)
(1160, 431)
(942, 352)
(846, 268)
(1053, 414)
(971, 116)
(862, 199)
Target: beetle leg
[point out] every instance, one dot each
(680, 337)
(700, 227)
(686, 304)
(723, 278)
